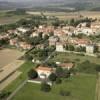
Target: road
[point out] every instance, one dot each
(48, 57)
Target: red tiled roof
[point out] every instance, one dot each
(44, 68)
(66, 65)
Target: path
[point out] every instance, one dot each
(19, 87)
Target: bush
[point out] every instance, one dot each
(77, 60)
(59, 72)
(58, 81)
(64, 93)
(4, 95)
(88, 67)
(66, 73)
(32, 74)
(52, 77)
(45, 87)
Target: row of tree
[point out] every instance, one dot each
(73, 48)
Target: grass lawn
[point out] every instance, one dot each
(82, 87)
(74, 58)
(24, 69)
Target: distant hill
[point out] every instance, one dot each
(51, 4)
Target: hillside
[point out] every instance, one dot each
(61, 5)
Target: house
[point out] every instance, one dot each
(95, 25)
(84, 24)
(4, 36)
(67, 65)
(63, 38)
(13, 42)
(90, 49)
(98, 45)
(34, 34)
(22, 30)
(80, 42)
(25, 45)
(44, 72)
(40, 46)
(84, 30)
(69, 30)
(53, 40)
(59, 47)
(11, 31)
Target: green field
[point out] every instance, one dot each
(74, 58)
(82, 87)
(24, 69)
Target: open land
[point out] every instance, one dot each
(79, 86)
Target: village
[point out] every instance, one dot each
(40, 43)
(64, 38)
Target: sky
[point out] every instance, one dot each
(50, 0)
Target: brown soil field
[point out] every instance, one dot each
(9, 55)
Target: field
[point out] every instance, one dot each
(70, 15)
(23, 69)
(82, 87)
(9, 55)
(60, 57)
(7, 19)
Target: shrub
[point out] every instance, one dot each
(64, 93)
(59, 72)
(52, 77)
(32, 74)
(58, 81)
(45, 87)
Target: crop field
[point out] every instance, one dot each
(69, 15)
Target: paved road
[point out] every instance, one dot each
(48, 57)
(19, 87)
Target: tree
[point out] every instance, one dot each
(59, 72)
(32, 74)
(52, 77)
(72, 22)
(58, 80)
(3, 42)
(71, 48)
(88, 67)
(4, 95)
(45, 87)
(28, 57)
(66, 73)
